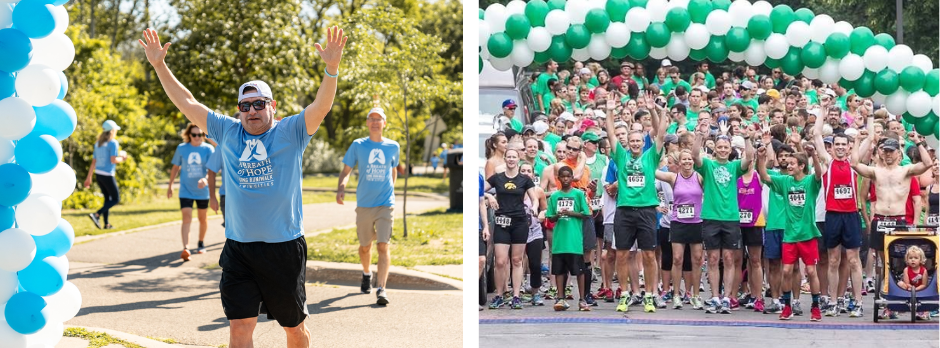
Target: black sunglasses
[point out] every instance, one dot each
(257, 104)
(574, 149)
(200, 135)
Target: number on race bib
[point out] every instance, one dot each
(843, 192)
(596, 203)
(746, 216)
(933, 220)
(636, 181)
(797, 199)
(685, 211)
(503, 220)
(565, 205)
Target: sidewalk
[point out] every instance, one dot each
(136, 283)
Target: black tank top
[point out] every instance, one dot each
(934, 200)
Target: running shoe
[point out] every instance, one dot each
(544, 269)
(589, 299)
(676, 304)
(796, 308)
(526, 296)
(584, 306)
(642, 281)
(568, 290)
(743, 297)
(609, 296)
(380, 297)
(833, 310)
(497, 302)
(634, 300)
(560, 305)
(94, 218)
(366, 286)
(851, 304)
(185, 255)
(623, 306)
(686, 299)
(824, 302)
(887, 314)
(734, 304)
(659, 301)
(923, 316)
(600, 293)
(537, 300)
(726, 305)
(648, 304)
(713, 306)
(201, 248)
(773, 308)
(750, 303)
(856, 312)
(551, 293)
(516, 303)
(697, 303)
(934, 314)
(870, 285)
(617, 294)
(787, 313)
(507, 296)
(759, 306)
(814, 314)
(666, 297)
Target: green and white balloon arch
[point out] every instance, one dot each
(798, 41)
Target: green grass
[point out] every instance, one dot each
(156, 211)
(164, 340)
(426, 184)
(97, 339)
(434, 238)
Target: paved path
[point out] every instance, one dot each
(136, 283)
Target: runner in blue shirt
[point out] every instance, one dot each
(107, 155)
(189, 162)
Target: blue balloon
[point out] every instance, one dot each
(7, 217)
(24, 313)
(44, 276)
(34, 18)
(6, 84)
(38, 154)
(55, 243)
(56, 119)
(64, 82)
(17, 50)
(15, 184)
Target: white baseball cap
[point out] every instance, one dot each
(540, 127)
(261, 90)
(377, 111)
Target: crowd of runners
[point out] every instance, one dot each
(687, 189)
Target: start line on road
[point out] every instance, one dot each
(725, 323)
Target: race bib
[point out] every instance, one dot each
(797, 199)
(596, 203)
(885, 224)
(565, 205)
(746, 216)
(685, 211)
(843, 191)
(636, 181)
(503, 220)
(932, 220)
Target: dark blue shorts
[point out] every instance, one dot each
(773, 244)
(843, 229)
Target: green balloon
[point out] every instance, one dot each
(716, 50)
(865, 85)
(559, 49)
(658, 35)
(535, 11)
(617, 10)
(885, 40)
(846, 84)
(481, 13)
(926, 125)
(517, 26)
(932, 83)
(772, 63)
(792, 62)
(861, 39)
(678, 19)
(781, 17)
(619, 52)
(638, 48)
(887, 82)
(638, 3)
(698, 55)
(837, 45)
(804, 15)
(699, 10)
(760, 27)
(597, 21)
(578, 36)
(813, 55)
(721, 4)
(912, 79)
(481, 64)
(542, 57)
(737, 40)
(499, 45)
(908, 118)
(556, 4)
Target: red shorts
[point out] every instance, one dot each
(806, 250)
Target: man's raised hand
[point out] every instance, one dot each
(151, 42)
(335, 41)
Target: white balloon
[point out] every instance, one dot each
(718, 22)
(829, 71)
(17, 249)
(657, 11)
(923, 62)
(918, 104)
(59, 182)
(8, 284)
(65, 303)
(539, 39)
(741, 13)
(843, 27)
(48, 336)
(38, 84)
(897, 102)
(876, 58)
(61, 17)
(696, 36)
(754, 55)
(485, 32)
(6, 16)
(6, 153)
(618, 34)
(810, 73)
(17, 117)
(776, 46)
(901, 57)
(598, 47)
(932, 142)
(798, 34)
(8, 336)
(580, 54)
(601, 4)
(501, 64)
(557, 22)
(658, 53)
(496, 15)
(577, 10)
(521, 55)
(677, 49)
(484, 53)
(39, 214)
(852, 67)
(936, 105)
(761, 8)
(677, 3)
(736, 57)
(514, 7)
(879, 98)
(638, 19)
(821, 27)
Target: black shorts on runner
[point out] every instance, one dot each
(721, 235)
(878, 237)
(685, 233)
(516, 233)
(752, 236)
(268, 273)
(589, 241)
(599, 226)
(843, 229)
(567, 264)
(635, 225)
(188, 203)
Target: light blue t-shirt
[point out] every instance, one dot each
(377, 162)
(192, 161)
(215, 165)
(263, 197)
(103, 155)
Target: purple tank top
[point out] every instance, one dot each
(687, 200)
(749, 200)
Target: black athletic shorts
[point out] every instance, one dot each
(517, 232)
(685, 233)
(589, 240)
(635, 225)
(599, 226)
(567, 264)
(721, 235)
(188, 203)
(272, 274)
(753, 236)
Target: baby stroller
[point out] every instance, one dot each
(889, 272)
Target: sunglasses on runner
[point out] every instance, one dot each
(257, 104)
(200, 135)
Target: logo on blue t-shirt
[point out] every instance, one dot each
(194, 158)
(254, 167)
(254, 148)
(377, 156)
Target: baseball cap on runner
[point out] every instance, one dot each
(261, 90)
(377, 111)
(890, 145)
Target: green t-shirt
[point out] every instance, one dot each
(541, 85)
(800, 207)
(668, 86)
(635, 177)
(567, 237)
(673, 127)
(597, 170)
(547, 100)
(593, 82)
(811, 97)
(516, 125)
(640, 82)
(721, 188)
(553, 140)
(750, 103)
(776, 214)
(540, 163)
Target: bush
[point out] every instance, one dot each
(83, 199)
(320, 157)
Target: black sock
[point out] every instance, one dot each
(201, 245)
(815, 300)
(588, 277)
